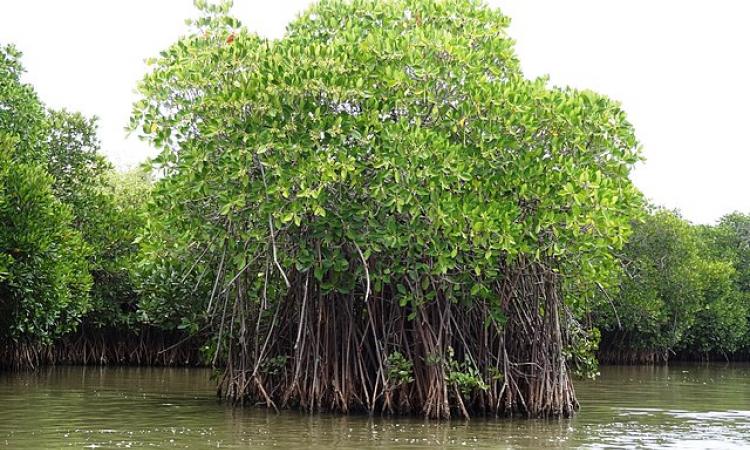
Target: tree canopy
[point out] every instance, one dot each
(67, 226)
(387, 150)
(680, 290)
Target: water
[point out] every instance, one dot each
(628, 407)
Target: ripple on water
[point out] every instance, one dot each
(628, 407)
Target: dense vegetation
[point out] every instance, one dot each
(69, 225)
(43, 256)
(377, 212)
(380, 212)
(682, 290)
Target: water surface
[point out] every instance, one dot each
(627, 407)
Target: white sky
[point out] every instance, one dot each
(680, 69)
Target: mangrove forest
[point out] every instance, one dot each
(377, 213)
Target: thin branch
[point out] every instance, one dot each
(367, 270)
(606, 294)
(275, 257)
(273, 233)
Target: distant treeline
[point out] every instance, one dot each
(68, 226)
(683, 293)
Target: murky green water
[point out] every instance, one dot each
(630, 407)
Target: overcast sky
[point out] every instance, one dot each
(680, 69)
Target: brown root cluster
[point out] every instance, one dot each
(367, 353)
(145, 346)
(633, 357)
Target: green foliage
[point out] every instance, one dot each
(173, 287)
(68, 222)
(400, 369)
(581, 351)
(121, 215)
(660, 289)
(45, 281)
(391, 143)
(730, 241)
(74, 161)
(464, 375)
(107, 209)
(44, 278)
(721, 324)
(681, 289)
(380, 148)
(21, 113)
(274, 366)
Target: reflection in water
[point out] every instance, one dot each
(628, 407)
